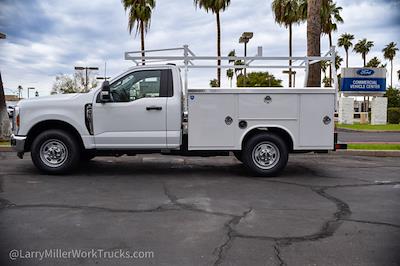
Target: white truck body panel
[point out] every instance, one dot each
(300, 112)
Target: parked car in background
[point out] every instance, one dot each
(10, 111)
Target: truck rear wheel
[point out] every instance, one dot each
(55, 152)
(265, 154)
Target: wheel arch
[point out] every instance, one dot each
(280, 131)
(51, 124)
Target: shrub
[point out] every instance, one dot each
(393, 115)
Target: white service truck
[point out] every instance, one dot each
(145, 110)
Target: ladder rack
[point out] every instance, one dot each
(187, 59)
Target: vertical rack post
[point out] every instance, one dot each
(186, 63)
(334, 74)
(307, 65)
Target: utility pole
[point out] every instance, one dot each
(245, 38)
(86, 74)
(105, 73)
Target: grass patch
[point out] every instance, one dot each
(388, 127)
(4, 143)
(373, 146)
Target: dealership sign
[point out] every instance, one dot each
(367, 80)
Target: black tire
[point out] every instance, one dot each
(52, 142)
(262, 163)
(238, 155)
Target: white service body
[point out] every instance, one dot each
(299, 112)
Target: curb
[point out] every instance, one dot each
(371, 153)
(5, 149)
(374, 142)
(366, 131)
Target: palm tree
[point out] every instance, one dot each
(4, 119)
(330, 17)
(236, 63)
(338, 61)
(229, 74)
(324, 66)
(363, 47)
(215, 6)
(345, 41)
(389, 52)
(287, 13)
(314, 41)
(140, 12)
(374, 62)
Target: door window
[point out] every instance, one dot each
(137, 85)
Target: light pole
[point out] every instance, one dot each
(245, 38)
(86, 74)
(105, 73)
(20, 92)
(293, 73)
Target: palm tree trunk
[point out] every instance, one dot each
(290, 55)
(314, 41)
(365, 59)
(391, 73)
(330, 65)
(4, 120)
(142, 40)
(218, 49)
(347, 58)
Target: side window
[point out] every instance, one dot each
(137, 85)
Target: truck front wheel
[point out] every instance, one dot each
(265, 154)
(55, 152)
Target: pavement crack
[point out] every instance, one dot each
(278, 256)
(4, 203)
(328, 228)
(224, 247)
(372, 222)
(78, 207)
(174, 200)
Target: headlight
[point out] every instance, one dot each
(16, 120)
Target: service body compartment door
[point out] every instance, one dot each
(317, 121)
(209, 123)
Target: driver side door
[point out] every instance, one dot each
(136, 116)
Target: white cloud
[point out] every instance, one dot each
(63, 34)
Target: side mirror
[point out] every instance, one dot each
(105, 94)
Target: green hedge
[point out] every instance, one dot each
(393, 115)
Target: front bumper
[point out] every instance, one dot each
(18, 143)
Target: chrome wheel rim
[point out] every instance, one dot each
(266, 155)
(53, 153)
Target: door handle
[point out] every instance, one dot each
(157, 108)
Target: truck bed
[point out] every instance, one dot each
(302, 112)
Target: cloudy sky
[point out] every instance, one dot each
(50, 37)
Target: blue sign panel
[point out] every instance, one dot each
(364, 84)
(359, 80)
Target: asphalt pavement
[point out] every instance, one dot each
(323, 210)
(363, 136)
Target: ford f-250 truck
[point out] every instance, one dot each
(141, 111)
(147, 109)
